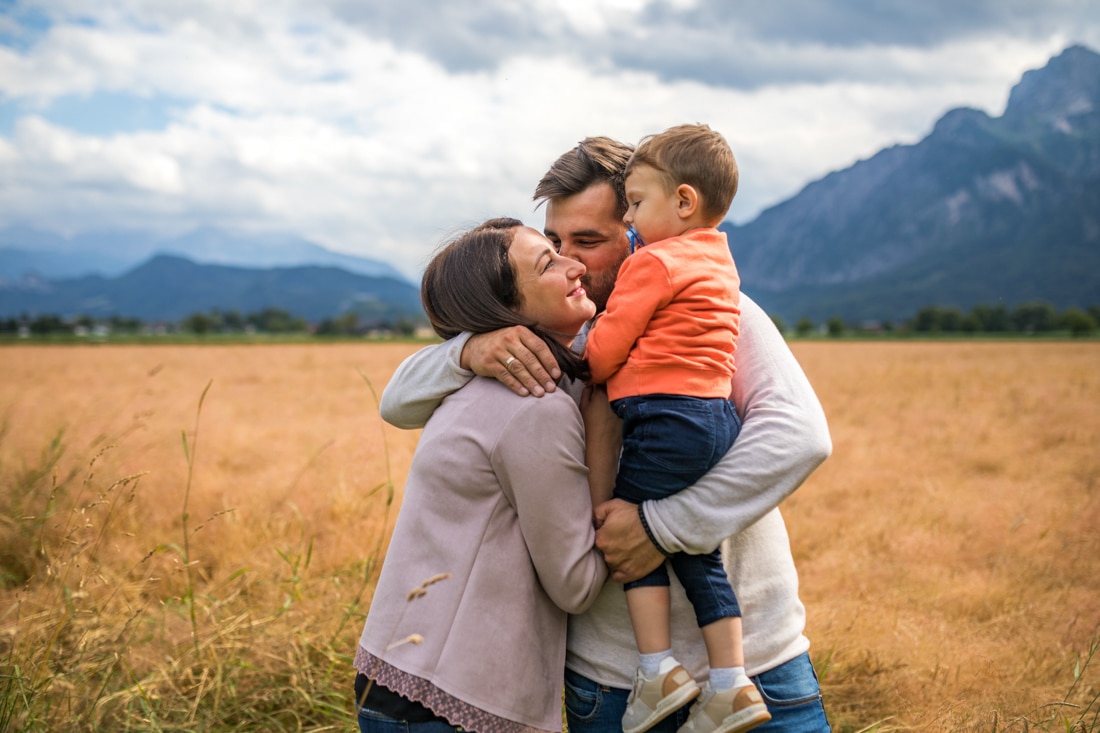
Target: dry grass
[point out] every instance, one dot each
(228, 599)
(950, 549)
(949, 552)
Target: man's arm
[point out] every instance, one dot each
(422, 381)
(784, 437)
(514, 356)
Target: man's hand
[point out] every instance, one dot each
(516, 357)
(626, 549)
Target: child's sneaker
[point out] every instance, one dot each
(651, 701)
(728, 711)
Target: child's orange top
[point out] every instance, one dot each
(672, 321)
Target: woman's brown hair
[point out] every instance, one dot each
(470, 285)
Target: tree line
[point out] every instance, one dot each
(1028, 318)
(1034, 317)
(266, 321)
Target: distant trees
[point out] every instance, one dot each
(344, 325)
(1028, 318)
(1034, 317)
(267, 321)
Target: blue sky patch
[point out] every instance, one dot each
(109, 113)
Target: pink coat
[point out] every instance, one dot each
(497, 497)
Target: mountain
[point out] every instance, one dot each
(170, 288)
(982, 211)
(26, 250)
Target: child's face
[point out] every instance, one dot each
(650, 208)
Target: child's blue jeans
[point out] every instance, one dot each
(669, 443)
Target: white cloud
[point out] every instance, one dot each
(286, 118)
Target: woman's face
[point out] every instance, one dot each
(549, 285)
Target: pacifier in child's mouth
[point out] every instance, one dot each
(635, 239)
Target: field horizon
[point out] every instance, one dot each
(189, 534)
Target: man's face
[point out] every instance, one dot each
(584, 227)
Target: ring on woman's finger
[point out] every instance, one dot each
(508, 361)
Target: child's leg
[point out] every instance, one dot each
(648, 602)
(725, 654)
(649, 615)
(718, 615)
(723, 640)
(661, 684)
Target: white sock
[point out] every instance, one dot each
(651, 663)
(727, 678)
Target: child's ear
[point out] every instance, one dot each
(687, 201)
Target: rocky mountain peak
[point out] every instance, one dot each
(1060, 97)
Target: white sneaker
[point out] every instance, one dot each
(728, 711)
(651, 701)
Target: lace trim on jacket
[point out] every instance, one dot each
(457, 712)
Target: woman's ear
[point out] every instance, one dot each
(687, 201)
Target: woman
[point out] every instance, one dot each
(493, 546)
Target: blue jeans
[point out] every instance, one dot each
(373, 722)
(669, 443)
(791, 692)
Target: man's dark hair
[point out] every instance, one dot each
(594, 160)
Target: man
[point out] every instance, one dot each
(783, 439)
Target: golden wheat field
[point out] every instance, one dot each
(168, 568)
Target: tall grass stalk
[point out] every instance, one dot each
(189, 455)
(87, 645)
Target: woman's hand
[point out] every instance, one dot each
(517, 358)
(603, 438)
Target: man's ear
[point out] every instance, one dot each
(687, 201)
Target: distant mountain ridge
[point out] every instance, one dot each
(983, 210)
(170, 288)
(25, 250)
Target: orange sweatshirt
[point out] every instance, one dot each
(672, 321)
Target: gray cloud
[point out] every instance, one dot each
(747, 45)
(741, 45)
(462, 37)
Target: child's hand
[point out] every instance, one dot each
(601, 425)
(603, 440)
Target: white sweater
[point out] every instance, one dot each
(784, 437)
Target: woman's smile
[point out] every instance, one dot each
(551, 293)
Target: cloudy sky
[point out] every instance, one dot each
(378, 128)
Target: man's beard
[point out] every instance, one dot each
(599, 289)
